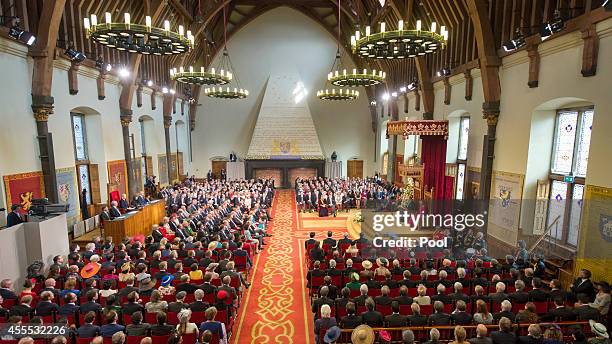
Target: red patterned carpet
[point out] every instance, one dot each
(276, 308)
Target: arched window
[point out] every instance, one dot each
(81, 153)
(464, 131)
(567, 172)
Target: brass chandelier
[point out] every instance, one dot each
(337, 78)
(137, 38)
(400, 43)
(219, 75)
(230, 91)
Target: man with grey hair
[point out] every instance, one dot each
(441, 294)
(519, 296)
(506, 311)
(434, 336)
(198, 305)
(323, 300)
(118, 338)
(407, 337)
(363, 295)
(499, 294)
(481, 336)
(458, 294)
(534, 335)
(439, 318)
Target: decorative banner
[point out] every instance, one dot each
(23, 188)
(417, 127)
(505, 205)
(117, 176)
(68, 193)
(136, 171)
(162, 168)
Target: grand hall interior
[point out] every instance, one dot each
(305, 171)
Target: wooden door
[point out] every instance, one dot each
(94, 184)
(149, 165)
(217, 166)
(355, 168)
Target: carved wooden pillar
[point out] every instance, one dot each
(590, 50)
(469, 84)
(73, 81)
(139, 95)
(126, 119)
(42, 107)
(101, 83)
(534, 65)
(490, 112)
(447, 91)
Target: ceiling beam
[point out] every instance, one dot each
(176, 4)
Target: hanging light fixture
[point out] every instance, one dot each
(400, 43)
(137, 38)
(230, 91)
(334, 77)
(219, 75)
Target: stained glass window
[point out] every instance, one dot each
(464, 131)
(564, 142)
(143, 145)
(84, 181)
(584, 141)
(556, 207)
(80, 141)
(460, 181)
(575, 214)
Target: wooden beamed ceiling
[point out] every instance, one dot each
(205, 19)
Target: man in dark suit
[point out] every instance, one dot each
(129, 287)
(206, 286)
(458, 294)
(231, 291)
(329, 241)
(132, 305)
(583, 285)
(114, 211)
(156, 233)
(499, 295)
(124, 203)
(403, 298)
(383, 299)
(481, 336)
(179, 304)
(556, 291)
(559, 313)
(198, 305)
(91, 305)
(323, 300)
(441, 295)
(439, 318)
(416, 319)
(69, 307)
(505, 334)
(534, 335)
(371, 317)
(187, 287)
(14, 217)
(537, 294)
(45, 306)
(6, 290)
(583, 311)
(88, 330)
(479, 295)
(506, 311)
(519, 296)
(460, 316)
(350, 320)
(23, 309)
(396, 319)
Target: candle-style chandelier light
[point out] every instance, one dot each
(137, 38)
(219, 75)
(400, 43)
(338, 76)
(229, 91)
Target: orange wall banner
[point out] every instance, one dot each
(22, 188)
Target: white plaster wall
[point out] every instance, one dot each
(282, 39)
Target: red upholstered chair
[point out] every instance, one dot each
(80, 340)
(160, 339)
(189, 338)
(133, 339)
(151, 318)
(198, 318)
(115, 196)
(426, 310)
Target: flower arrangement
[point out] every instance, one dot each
(358, 218)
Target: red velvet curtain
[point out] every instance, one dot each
(434, 159)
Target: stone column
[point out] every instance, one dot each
(42, 107)
(126, 119)
(490, 112)
(167, 125)
(393, 110)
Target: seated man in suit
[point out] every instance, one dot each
(69, 307)
(6, 290)
(556, 291)
(537, 294)
(499, 294)
(439, 318)
(14, 217)
(505, 335)
(91, 305)
(534, 335)
(124, 203)
(88, 330)
(114, 211)
(583, 310)
(350, 320)
(46, 306)
(559, 313)
(481, 336)
(460, 316)
(371, 317)
(506, 311)
(140, 200)
(519, 296)
(23, 309)
(396, 319)
(441, 295)
(416, 319)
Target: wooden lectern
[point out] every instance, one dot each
(136, 222)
